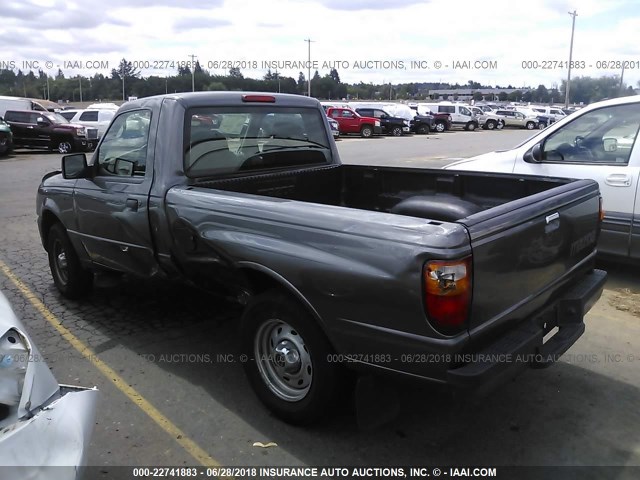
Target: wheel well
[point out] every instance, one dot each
(366, 125)
(59, 138)
(48, 220)
(260, 282)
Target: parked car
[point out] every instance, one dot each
(45, 428)
(553, 113)
(598, 142)
(19, 103)
(335, 127)
(512, 118)
(337, 265)
(49, 130)
(460, 114)
(101, 106)
(486, 119)
(441, 121)
(422, 124)
(6, 138)
(390, 125)
(352, 122)
(98, 118)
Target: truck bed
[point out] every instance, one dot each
(431, 194)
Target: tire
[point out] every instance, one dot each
(530, 125)
(470, 126)
(440, 127)
(500, 125)
(64, 145)
(71, 279)
(396, 131)
(423, 129)
(490, 124)
(366, 131)
(272, 325)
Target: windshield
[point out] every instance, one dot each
(55, 118)
(253, 138)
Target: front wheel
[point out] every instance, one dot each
(490, 125)
(71, 279)
(289, 359)
(396, 132)
(64, 146)
(366, 131)
(423, 129)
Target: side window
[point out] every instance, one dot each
(465, 111)
(91, 116)
(123, 151)
(335, 113)
(347, 114)
(33, 118)
(447, 109)
(606, 135)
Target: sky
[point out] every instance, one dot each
(501, 42)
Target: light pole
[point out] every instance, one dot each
(573, 26)
(80, 82)
(308, 40)
(193, 73)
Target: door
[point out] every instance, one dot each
(112, 206)
(600, 145)
(349, 122)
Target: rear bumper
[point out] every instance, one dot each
(525, 347)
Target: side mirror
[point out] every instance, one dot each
(610, 144)
(124, 168)
(534, 155)
(75, 166)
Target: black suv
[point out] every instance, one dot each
(395, 126)
(422, 124)
(49, 130)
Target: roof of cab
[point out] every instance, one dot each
(204, 99)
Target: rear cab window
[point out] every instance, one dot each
(243, 139)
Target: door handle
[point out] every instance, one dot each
(618, 180)
(132, 204)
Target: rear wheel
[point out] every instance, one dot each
(423, 129)
(396, 132)
(440, 127)
(470, 126)
(490, 125)
(531, 125)
(500, 125)
(289, 359)
(71, 279)
(366, 131)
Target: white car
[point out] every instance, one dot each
(42, 424)
(90, 117)
(487, 119)
(597, 142)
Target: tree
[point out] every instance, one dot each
(301, 83)
(183, 70)
(477, 96)
(334, 75)
(235, 73)
(125, 69)
(542, 94)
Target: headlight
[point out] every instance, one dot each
(377, 123)
(81, 132)
(14, 357)
(406, 122)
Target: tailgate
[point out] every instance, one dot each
(524, 251)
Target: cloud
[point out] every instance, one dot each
(189, 23)
(354, 5)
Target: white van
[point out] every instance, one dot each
(461, 115)
(18, 103)
(552, 112)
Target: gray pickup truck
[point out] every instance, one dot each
(458, 278)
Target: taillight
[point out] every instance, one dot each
(447, 290)
(259, 98)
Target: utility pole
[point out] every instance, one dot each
(621, 77)
(573, 26)
(48, 97)
(308, 40)
(80, 81)
(193, 73)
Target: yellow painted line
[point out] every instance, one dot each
(191, 447)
